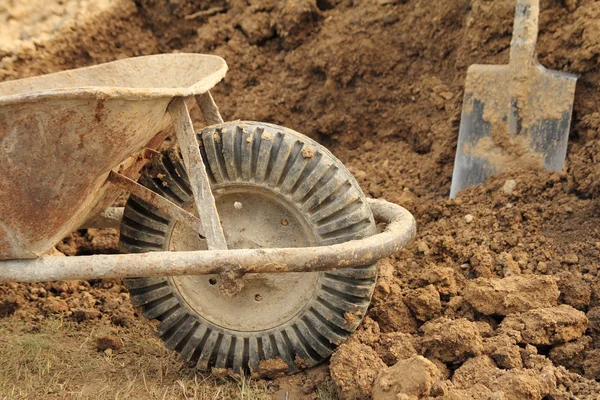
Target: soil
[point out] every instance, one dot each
(499, 294)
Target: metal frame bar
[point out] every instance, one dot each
(400, 230)
(167, 206)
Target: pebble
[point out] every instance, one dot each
(571, 258)
(509, 186)
(423, 248)
(469, 218)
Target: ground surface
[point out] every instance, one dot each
(500, 290)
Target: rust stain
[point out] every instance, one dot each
(99, 109)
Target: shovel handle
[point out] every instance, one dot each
(525, 33)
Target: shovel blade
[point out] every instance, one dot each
(512, 119)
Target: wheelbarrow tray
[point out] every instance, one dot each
(61, 134)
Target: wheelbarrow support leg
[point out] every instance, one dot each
(200, 184)
(209, 109)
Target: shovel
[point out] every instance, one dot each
(516, 114)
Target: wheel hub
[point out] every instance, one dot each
(251, 218)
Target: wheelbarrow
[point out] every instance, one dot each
(249, 242)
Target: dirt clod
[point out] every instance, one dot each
(354, 367)
(8, 306)
(413, 377)
(424, 303)
(111, 342)
(396, 346)
(85, 314)
(451, 341)
(512, 294)
(395, 316)
(504, 351)
(572, 354)
(511, 384)
(545, 326)
(272, 368)
(574, 291)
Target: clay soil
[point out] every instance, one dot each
(498, 297)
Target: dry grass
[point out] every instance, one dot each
(60, 360)
(326, 391)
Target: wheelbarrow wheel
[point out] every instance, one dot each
(273, 188)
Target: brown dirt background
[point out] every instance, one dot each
(379, 83)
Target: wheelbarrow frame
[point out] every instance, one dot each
(230, 264)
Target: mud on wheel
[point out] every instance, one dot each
(274, 188)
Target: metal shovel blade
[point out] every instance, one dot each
(513, 115)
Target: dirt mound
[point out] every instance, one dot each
(25, 23)
(494, 289)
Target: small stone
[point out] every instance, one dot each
(509, 186)
(237, 205)
(542, 267)
(422, 247)
(308, 152)
(469, 218)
